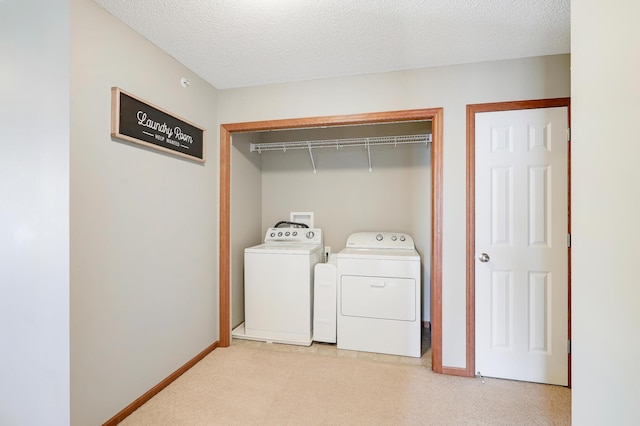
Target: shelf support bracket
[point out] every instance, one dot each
(313, 163)
(369, 154)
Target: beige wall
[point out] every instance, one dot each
(245, 216)
(345, 196)
(449, 87)
(606, 209)
(34, 213)
(144, 259)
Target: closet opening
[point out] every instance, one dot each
(258, 186)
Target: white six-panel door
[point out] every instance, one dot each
(521, 256)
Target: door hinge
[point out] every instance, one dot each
(568, 346)
(569, 240)
(568, 134)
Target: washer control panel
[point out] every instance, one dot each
(380, 240)
(294, 235)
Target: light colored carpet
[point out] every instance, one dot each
(244, 385)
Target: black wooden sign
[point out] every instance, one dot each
(135, 120)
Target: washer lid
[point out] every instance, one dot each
(284, 248)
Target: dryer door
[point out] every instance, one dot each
(378, 297)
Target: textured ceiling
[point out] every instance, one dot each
(253, 42)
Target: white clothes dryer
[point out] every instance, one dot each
(379, 289)
(278, 286)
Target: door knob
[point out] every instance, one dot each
(484, 257)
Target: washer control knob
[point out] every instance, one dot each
(402, 238)
(379, 237)
(295, 233)
(286, 234)
(279, 234)
(273, 234)
(310, 234)
(393, 238)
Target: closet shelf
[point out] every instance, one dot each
(339, 143)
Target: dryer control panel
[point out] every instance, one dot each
(380, 240)
(294, 235)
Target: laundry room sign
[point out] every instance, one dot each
(135, 120)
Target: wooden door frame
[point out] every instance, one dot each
(433, 114)
(471, 200)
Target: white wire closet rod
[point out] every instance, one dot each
(339, 143)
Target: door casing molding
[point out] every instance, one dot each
(433, 114)
(471, 200)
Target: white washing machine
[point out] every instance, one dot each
(278, 286)
(379, 289)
